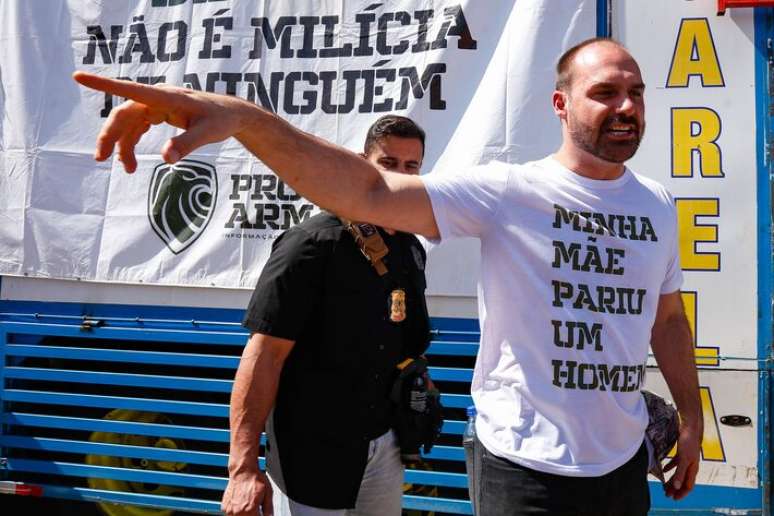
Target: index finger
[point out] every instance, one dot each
(690, 476)
(141, 93)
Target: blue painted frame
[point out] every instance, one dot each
(604, 29)
(3, 472)
(764, 31)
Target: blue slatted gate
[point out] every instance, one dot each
(134, 409)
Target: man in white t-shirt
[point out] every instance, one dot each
(579, 260)
(579, 274)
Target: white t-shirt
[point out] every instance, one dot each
(571, 273)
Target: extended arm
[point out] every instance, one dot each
(252, 398)
(672, 345)
(330, 176)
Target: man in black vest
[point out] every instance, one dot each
(327, 332)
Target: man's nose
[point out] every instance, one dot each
(627, 105)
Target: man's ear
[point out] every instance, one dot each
(559, 101)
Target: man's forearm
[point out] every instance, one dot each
(672, 345)
(335, 178)
(252, 398)
(342, 180)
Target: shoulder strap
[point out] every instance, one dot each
(370, 243)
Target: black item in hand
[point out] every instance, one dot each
(418, 411)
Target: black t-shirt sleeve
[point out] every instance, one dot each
(289, 288)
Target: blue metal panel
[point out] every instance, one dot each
(453, 349)
(452, 374)
(603, 18)
(145, 500)
(2, 390)
(444, 505)
(466, 327)
(453, 427)
(122, 427)
(436, 478)
(137, 333)
(460, 338)
(125, 379)
(112, 402)
(764, 454)
(764, 30)
(763, 134)
(182, 316)
(453, 453)
(115, 450)
(456, 400)
(707, 498)
(129, 475)
(113, 355)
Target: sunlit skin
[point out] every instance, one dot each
(396, 154)
(602, 112)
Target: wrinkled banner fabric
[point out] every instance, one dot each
(476, 75)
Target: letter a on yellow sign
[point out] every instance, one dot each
(694, 55)
(712, 443)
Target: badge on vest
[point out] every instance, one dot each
(396, 305)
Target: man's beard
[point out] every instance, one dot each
(597, 144)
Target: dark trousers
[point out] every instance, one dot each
(501, 488)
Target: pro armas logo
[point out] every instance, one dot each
(181, 200)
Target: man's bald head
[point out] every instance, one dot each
(564, 67)
(599, 98)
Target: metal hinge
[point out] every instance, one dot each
(88, 324)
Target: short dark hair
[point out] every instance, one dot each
(393, 125)
(563, 68)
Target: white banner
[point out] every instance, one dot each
(475, 75)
